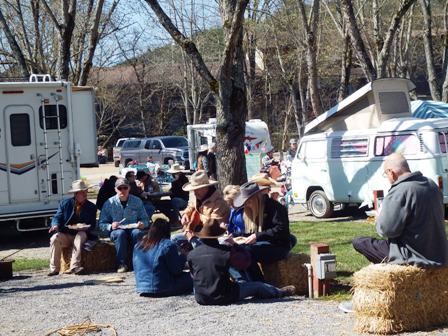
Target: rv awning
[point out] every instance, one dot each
(428, 109)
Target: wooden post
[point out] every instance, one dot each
(320, 287)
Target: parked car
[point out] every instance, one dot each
(160, 149)
(116, 150)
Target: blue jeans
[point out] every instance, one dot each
(120, 238)
(258, 290)
(179, 203)
(150, 208)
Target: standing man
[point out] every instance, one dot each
(73, 219)
(211, 162)
(411, 219)
(291, 154)
(124, 216)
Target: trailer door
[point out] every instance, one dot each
(21, 164)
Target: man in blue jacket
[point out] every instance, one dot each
(124, 216)
(411, 219)
(74, 218)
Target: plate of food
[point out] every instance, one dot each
(240, 240)
(128, 226)
(78, 226)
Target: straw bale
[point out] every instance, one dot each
(289, 271)
(394, 298)
(100, 259)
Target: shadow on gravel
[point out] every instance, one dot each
(44, 287)
(268, 301)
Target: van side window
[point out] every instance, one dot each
(51, 120)
(443, 141)
(20, 129)
(315, 149)
(349, 147)
(406, 144)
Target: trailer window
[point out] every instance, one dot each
(349, 147)
(393, 102)
(406, 144)
(443, 141)
(20, 129)
(51, 119)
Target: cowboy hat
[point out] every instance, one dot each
(210, 229)
(79, 185)
(198, 180)
(247, 190)
(177, 168)
(203, 148)
(264, 180)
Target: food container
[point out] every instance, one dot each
(6, 269)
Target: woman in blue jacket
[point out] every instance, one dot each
(158, 266)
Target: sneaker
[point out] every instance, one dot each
(288, 291)
(122, 269)
(78, 270)
(53, 273)
(346, 306)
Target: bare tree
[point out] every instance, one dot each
(228, 86)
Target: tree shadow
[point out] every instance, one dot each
(44, 287)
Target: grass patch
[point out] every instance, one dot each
(338, 235)
(29, 264)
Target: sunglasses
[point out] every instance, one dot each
(123, 188)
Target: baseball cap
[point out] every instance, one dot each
(293, 141)
(121, 181)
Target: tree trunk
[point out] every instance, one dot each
(346, 67)
(357, 41)
(17, 51)
(429, 54)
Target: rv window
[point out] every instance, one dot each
(20, 129)
(406, 144)
(349, 147)
(51, 117)
(315, 149)
(443, 141)
(393, 102)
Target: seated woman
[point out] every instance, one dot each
(266, 226)
(179, 197)
(106, 191)
(137, 190)
(236, 222)
(158, 266)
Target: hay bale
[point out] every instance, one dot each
(100, 259)
(289, 271)
(393, 298)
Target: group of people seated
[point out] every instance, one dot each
(217, 253)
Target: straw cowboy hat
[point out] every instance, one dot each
(247, 190)
(198, 180)
(210, 229)
(79, 185)
(203, 148)
(264, 180)
(177, 168)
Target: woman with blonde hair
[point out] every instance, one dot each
(236, 222)
(266, 226)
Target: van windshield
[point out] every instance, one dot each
(175, 142)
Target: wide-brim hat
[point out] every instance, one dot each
(177, 168)
(210, 229)
(79, 185)
(198, 180)
(247, 191)
(203, 148)
(264, 180)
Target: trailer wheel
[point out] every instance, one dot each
(319, 205)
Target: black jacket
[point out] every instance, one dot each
(176, 188)
(209, 265)
(275, 224)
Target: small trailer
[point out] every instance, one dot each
(47, 129)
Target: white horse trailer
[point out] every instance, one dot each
(47, 129)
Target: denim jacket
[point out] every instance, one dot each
(157, 268)
(113, 212)
(66, 211)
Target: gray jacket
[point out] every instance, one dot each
(412, 218)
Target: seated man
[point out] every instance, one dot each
(78, 213)
(206, 205)
(411, 218)
(137, 190)
(121, 210)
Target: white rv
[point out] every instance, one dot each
(47, 129)
(256, 140)
(340, 158)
